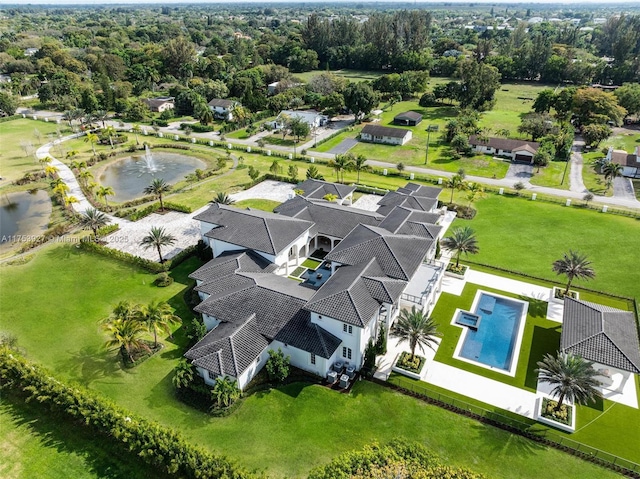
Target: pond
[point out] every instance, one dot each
(23, 214)
(130, 176)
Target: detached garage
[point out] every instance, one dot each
(408, 118)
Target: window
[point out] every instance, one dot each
(212, 376)
(347, 328)
(346, 352)
(313, 358)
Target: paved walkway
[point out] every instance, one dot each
(576, 184)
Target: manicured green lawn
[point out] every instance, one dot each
(60, 330)
(13, 161)
(527, 236)
(311, 263)
(258, 204)
(37, 445)
(593, 180)
(625, 141)
(551, 175)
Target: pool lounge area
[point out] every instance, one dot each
(492, 332)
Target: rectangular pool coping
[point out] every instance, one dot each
(517, 346)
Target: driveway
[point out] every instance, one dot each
(623, 188)
(344, 146)
(519, 172)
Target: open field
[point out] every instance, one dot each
(551, 175)
(527, 236)
(283, 421)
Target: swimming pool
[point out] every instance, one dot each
(495, 342)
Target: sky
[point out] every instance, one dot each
(165, 2)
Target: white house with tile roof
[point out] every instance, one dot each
(248, 308)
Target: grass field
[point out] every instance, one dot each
(527, 236)
(14, 163)
(282, 422)
(264, 205)
(37, 445)
(551, 175)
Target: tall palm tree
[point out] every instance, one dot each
(93, 139)
(456, 182)
(103, 192)
(94, 220)
(417, 329)
(157, 316)
(223, 199)
(611, 171)
(342, 163)
(85, 176)
(136, 131)
(110, 132)
(359, 164)
(44, 162)
(157, 188)
(102, 116)
(225, 391)
(463, 240)
(573, 265)
(124, 311)
(125, 335)
(573, 378)
(157, 238)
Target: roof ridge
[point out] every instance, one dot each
(355, 308)
(637, 366)
(266, 226)
(218, 353)
(323, 344)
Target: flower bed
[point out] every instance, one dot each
(558, 295)
(562, 419)
(456, 272)
(298, 271)
(411, 368)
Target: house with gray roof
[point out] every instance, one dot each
(385, 134)
(250, 305)
(408, 118)
(160, 104)
(518, 150)
(406, 200)
(223, 109)
(604, 335)
(318, 189)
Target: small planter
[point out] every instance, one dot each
(564, 419)
(458, 273)
(400, 365)
(557, 295)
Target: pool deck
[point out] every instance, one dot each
(489, 391)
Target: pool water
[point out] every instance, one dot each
(318, 277)
(493, 342)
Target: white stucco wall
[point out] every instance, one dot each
(255, 367)
(302, 359)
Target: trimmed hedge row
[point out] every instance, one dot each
(157, 445)
(9, 118)
(135, 215)
(149, 265)
(105, 230)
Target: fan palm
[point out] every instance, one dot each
(125, 335)
(572, 378)
(463, 240)
(573, 265)
(157, 238)
(94, 220)
(417, 329)
(157, 188)
(93, 139)
(157, 316)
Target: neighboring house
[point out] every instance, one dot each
(318, 189)
(408, 118)
(517, 150)
(630, 161)
(606, 336)
(222, 109)
(310, 117)
(250, 306)
(29, 52)
(160, 104)
(280, 86)
(385, 134)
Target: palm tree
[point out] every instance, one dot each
(225, 391)
(93, 139)
(157, 238)
(313, 173)
(102, 116)
(61, 189)
(573, 265)
(45, 161)
(342, 163)
(85, 176)
(223, 199)
(157, 187)
(475, 191)
(124, 311)
(104, 191)
(94, 220)
(136, 131)
(70, 200)
(611, 171)
(463, 240)
(456, 182)
(359, 164)
(416, 328)
(573, 378)
(157, 316)
(110, 132)
(51, 170)
(125, 335)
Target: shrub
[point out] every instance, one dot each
(277, 366)
(562, 415)
(105, 230)
(413, 365)
(149, 265)
(381, 343)
(155, 444)
(163, 280)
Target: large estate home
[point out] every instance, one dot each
(253, 301)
